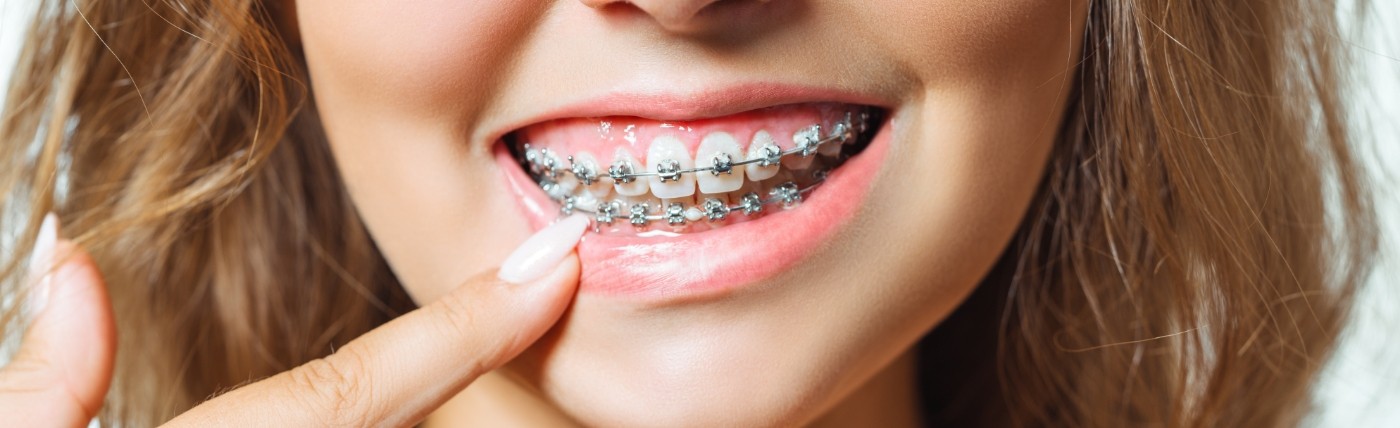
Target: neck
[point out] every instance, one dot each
(888, 400)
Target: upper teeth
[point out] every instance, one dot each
(548, 163)
(717, 152)
(720, 164)
(585, 170)
(621, 171)
(807, 139)
(767, 153)
(627, 184)
(668, 169)
(669, 156)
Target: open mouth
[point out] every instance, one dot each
(691, 209)
(639, 177)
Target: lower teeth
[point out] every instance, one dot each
(642, 214)
(781, 193)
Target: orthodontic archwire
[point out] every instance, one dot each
(675, 214)
(808, 140)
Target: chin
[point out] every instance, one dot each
(695, 378)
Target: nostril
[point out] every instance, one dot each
(672, 15)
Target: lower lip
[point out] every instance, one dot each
(715, 262)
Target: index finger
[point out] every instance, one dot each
(401, 371)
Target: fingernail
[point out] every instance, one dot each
(40, 265)
(543, 251)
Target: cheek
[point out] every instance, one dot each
(397, 85)
(977, 42)
(995, 78)
(421, 58)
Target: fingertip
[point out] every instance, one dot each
(541, 254)
(534, 308)
(565, 273)
(557, 286)
(75, 329)
(88, 289)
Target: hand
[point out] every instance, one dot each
(394, 375)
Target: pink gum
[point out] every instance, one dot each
(602, 136)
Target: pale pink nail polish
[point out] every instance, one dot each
(543, 251)
(41, 261)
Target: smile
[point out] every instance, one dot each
(685, 209)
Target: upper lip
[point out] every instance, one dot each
(692, 105)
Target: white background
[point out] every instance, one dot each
(1361, 387)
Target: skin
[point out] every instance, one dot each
(410, 93)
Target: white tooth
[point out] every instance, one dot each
(755, 171)
(783, 177)
(723, 199)
(586, 202)
(796, 160)
(638, 186)
(667, 148)
(654, 206)
(737, 196)
(603, 185)
(630, 200)
(564, 187)
(713, 145)
(551, 165)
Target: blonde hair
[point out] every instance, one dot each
(197, 178)
(1189, 261)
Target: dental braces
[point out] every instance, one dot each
(676, 214)
(807, 141)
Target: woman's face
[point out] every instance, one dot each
(758, 318)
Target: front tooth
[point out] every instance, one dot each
(637, 186)
(602, 185)
(757, 171)
(803, 136)
(668, 153)
(723, 146)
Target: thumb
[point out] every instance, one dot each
(398, 373)
(61, 372)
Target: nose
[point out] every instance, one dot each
(674, 15)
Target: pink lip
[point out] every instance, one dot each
(670, 106)
(715, 262)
